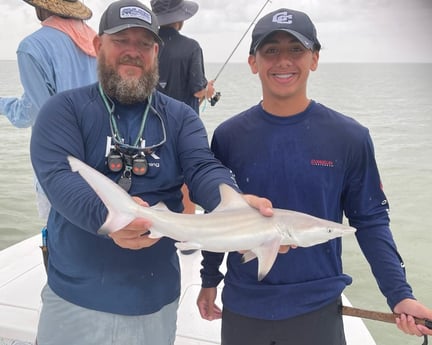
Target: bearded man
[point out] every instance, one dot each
(122, 288)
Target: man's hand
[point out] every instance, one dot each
(135, 234)
(261, 204)
(205, 93)
(206, 304)
(266, 209)
(408, 309)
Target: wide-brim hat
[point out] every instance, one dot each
(173, 11)
(64, 8)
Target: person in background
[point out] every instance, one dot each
(57, 57)
(181, 63)
(306, 157)
(122, 288)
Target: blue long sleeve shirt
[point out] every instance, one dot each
(91, 270)
(49, 62)
(318, 162)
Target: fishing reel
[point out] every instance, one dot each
(215, 99)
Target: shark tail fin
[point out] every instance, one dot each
(121, 207)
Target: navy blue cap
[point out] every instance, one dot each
(294, 22)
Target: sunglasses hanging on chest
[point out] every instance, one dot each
(130, 159)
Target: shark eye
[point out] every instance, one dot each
(329, 230)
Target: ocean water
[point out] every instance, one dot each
(393, 100)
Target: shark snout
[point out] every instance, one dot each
(349, 230)
(340, 231)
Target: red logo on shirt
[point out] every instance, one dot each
(322, 163)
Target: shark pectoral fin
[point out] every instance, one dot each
(266, 255)
(248, 256)
(187, 245)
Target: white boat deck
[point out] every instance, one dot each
(22, 276)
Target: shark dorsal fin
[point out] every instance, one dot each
(230, 199)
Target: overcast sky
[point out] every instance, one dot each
(349, 30)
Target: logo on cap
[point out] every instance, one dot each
(135, 12)
(283, 18)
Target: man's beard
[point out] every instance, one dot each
(127, 91)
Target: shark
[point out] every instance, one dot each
(232, 226)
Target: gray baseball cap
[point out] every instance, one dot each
(294, 22)
(124, 14)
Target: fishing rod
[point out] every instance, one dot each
(384, 317)
(217, 95)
